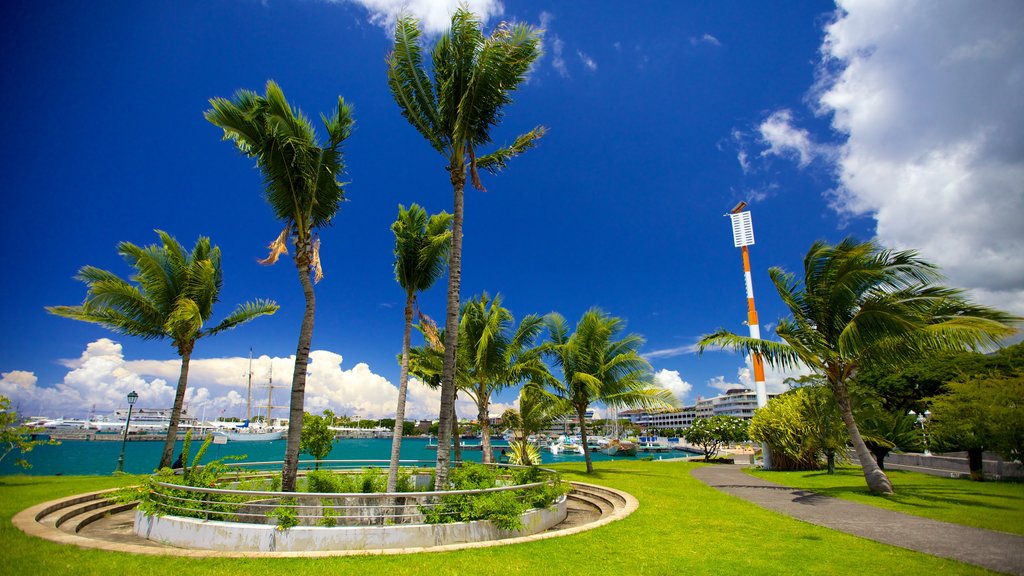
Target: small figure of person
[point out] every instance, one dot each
(177, 463)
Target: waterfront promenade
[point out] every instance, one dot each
(999, 551)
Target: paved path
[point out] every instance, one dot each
(998, 551)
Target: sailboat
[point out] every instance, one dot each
(246, 432)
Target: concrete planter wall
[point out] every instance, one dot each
(216, 535)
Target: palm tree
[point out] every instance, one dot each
(496, 358)
(473, 77)
(427, 363)
(173, 298)
(860, 305)
(420, 249)
(301, 184)
(598, 367)
(538, 408)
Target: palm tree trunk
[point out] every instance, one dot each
(291, 452)
(485, 427)
(403, 388)
(877, 481)
(582, 415)
(179, 399)
(451, 327)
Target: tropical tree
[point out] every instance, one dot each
(421, 245)
(172, 297)
(427, 363)
(861, 305)
(885, 430)
(473, 77)
(15, 437)
(597, 366)
(714, 432)
(538, 409)
(301, 184)
(495, 356)
(317, 437)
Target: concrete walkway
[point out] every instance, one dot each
(997, 551)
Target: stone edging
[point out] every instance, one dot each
(26, 522)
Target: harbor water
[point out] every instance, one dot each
(77, 457)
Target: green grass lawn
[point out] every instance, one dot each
(992, 505)
(682, 527)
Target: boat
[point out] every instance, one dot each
(246, 432)
(620, 448)
(651, 444)
(565, 445)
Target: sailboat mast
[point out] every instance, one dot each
(248, 403)
(270, 392)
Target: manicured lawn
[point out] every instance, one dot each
(682, 527)
(992, 505)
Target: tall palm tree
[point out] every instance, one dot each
(597, 366)
(496, 357)
(421, 245)
(173, 297)
(301, 184)
(860, 305)
(474, 75)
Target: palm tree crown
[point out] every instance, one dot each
(172, 297)
(858, 305)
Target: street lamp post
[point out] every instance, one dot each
(132, 397)
(922, 419)
(743, 236)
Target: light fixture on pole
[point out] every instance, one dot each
(743, 236)
(922, 419)
(132, 397)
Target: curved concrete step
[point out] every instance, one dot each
(103, 512)
(602, 505)
(65, 514)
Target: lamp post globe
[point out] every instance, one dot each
(132, 397)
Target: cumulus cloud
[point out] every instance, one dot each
(705, 39)
(786, 140)
(435, 16)
(928, 97)
(671, 381)
(587, 61)
(102, 378)
(774, 380)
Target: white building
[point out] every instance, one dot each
(738, 402)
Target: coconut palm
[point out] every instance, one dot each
(860, 305)
(597, 366)
(473, 77)
(421, 245)
(173, 297)
(538, 409)
(301, 184)
(496, 357)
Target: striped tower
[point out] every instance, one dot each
(743, 236)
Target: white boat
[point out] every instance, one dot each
(565, 445)
(245, 432)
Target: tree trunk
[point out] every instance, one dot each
(291, 452)
(483, 403)
(975, 465)
(582, 414)
(179, 399)
(451, 326)
(877, 481)
(831, 467)
(403, 388)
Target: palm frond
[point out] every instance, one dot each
(497, 161)
(244, 313)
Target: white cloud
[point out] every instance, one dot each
(785, 140)
(587, 61)
(774, 380)
(557, 60)
(671, 381)
(435, 16)
(928, 95)
(671, 352)
(102, 378)
(705, 39)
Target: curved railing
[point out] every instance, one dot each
(236, 496)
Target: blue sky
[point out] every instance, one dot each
(900, 122)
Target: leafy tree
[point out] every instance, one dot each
(495, 357)
(301, 184)
(981, 413)
(714, 432)
(886, 430)
(421, 245)
(172, 297)
(317, 436)
(14, 437)
(597, 366)
(860, 305)
(474, 75)
(792, 426)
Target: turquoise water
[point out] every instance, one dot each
(76, 457)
